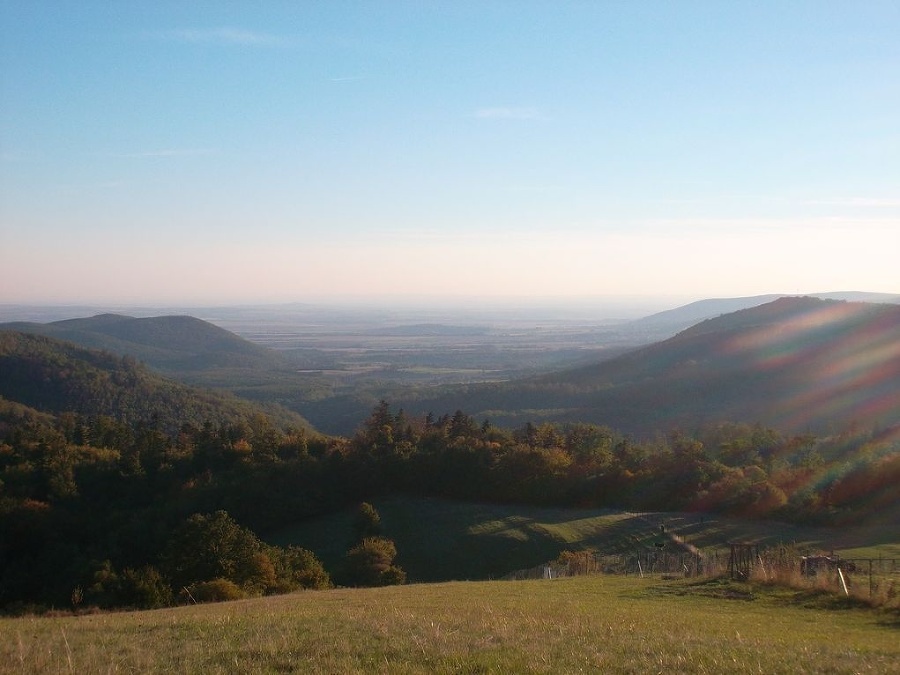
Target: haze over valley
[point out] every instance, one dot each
(466, 299)
(515, 364)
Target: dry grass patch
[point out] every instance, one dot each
(587, 624)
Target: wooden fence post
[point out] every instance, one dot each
(843, 583)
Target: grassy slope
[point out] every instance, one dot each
(441, 540)
(582, 624)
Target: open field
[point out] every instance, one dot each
(583, 624)
(439, 540)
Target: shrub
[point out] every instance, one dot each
(370, 563)
(144, 588)
(393, 576)
(214, 546)
(215, 590)
(298, 568)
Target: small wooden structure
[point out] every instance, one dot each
(741, 561)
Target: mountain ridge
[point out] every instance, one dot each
(797, 364)
(685, 316)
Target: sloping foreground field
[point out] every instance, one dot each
(603, 624)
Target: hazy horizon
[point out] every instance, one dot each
(173, 154)
(608, 307)
(409, 309)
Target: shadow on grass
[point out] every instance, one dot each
(772, 594)
(445, 540)
(719, 588)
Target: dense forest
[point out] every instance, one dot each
(105, 512)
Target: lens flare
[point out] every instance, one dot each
(841, 359)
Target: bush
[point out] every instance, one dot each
(144, 588)
(370, 563)
(298, 568)
(393, 576)
(215, 590)
(207, 547)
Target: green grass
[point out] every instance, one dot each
(440, 540)
(604, 624)
(875, 551)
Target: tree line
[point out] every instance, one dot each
(102, 511)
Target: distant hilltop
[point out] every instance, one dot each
(674, 320)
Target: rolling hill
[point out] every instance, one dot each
(795, 363)
(798, 364)
(51, 375)
(191, 351)
(173, 344)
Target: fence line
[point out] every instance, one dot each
(864, 577)
(637, 563)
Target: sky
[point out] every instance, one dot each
(263, 152)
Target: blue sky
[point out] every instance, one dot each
(277, 151)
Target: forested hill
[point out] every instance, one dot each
(798, 364)
(171, 344)
(117, 492)
(55, 376)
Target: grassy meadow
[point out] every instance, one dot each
(581, 624)
(600, 623)
(441, 540)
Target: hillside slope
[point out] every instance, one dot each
(797, 364)
(439, 540)
(55, 376)
(680, 318)
(177, 344)
(191, 351)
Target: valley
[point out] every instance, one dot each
(781, 415)
(438, 345)
(618, 363)
(238, 476)
(467, 338)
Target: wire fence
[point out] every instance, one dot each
(643, 563)
(876, 579)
